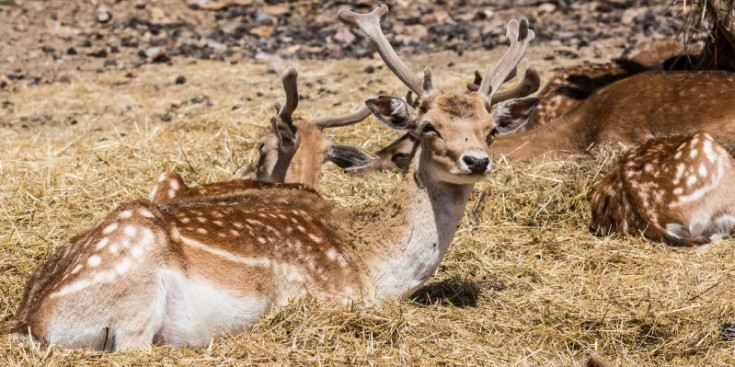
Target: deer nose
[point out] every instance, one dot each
(476, 164)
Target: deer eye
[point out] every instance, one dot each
(430, 129)
(491, 136)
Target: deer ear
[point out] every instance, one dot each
(391, 111)
(283, 132)
(350, 158)
(512, 114)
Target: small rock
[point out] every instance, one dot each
(275, 10)
(211, 5)
(630, 14)
(369, 69)
(264, 32)
(48, 49)
(157, 13)
(428, 20)
(546, 8)
(276, 65)
(289, 50)
(103, 15)
(99, 53)
(111, 62)
(344, 35)
(180, 80)
(727, 332)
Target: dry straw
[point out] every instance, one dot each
(527, 285)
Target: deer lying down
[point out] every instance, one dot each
(293, 153)
(179, 273)
(679, 190)
(632, 111)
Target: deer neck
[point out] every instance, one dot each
(403, 242)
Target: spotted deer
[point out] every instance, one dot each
(176, 274)
(293, 153)
(678, 190)
(631, 111)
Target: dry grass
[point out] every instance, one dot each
(528, 285)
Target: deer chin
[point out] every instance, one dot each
(458, 176)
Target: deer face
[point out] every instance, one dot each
(296, 149)
(455, 130)
(275, 151)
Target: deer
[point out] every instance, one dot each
(179, 273)
(293, 153)
(570, 86)
(677, 190)
(631, 111)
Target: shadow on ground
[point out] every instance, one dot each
(450, 292)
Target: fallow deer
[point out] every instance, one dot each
(631, 111)
(178, 273)
(679, 190)
(570, 86)
(293, 153)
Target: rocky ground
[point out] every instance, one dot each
(50, 41)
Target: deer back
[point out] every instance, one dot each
(677, 190)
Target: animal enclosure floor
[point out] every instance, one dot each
(527, 284)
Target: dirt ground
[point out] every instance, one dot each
(524, 282)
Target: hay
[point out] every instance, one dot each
(527, 285)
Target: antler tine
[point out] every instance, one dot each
(292, 95)
(344, 120)
(519, 36)
(530, 83)
(370, 25)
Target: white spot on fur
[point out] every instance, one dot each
(126, 214)
(130, 231)
(76, 269)
(174, 184)
(331, 254)
(110, 228)
(102, 243)
(94, 261)
(315, 238)
(702, 170)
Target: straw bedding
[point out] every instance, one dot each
(524, 282)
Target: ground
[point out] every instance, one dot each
(524, 282)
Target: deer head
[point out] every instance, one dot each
(296, 149)
(677, 190)
(454, 130)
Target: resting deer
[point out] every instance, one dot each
(678, 190)
(176, 274)
(633, 110)
(293, 153)
(570, 86)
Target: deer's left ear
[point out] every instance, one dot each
(392, 112)
(350, 158)
(512, 114)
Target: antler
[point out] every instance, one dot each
(519, 36)
(530, 83)
(344, 120)
(292, 95)
(370, 25)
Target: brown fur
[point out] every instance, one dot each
(633, 110)
(649, 188)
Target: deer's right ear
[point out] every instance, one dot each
(392, 111)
